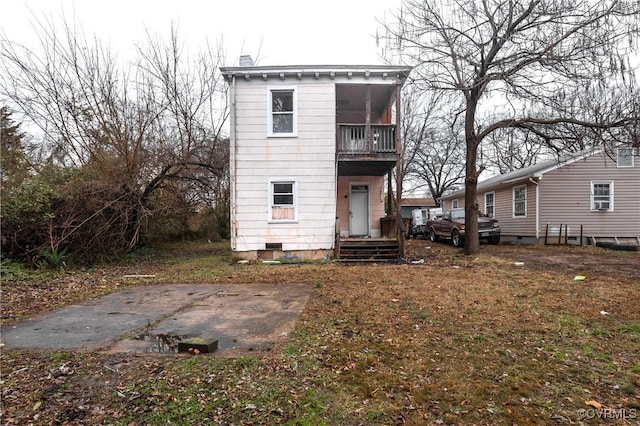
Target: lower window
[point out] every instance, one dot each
(283, 200)
(601, 195)
(520, 201)
(489, 200)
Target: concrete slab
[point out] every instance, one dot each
(239, 316)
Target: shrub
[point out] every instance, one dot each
(53, 259)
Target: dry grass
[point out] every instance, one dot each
(456, 340)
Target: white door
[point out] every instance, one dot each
(359, 210)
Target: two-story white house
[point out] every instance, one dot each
(310, 149)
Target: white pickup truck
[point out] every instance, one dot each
(419, 220)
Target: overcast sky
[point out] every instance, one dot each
(286, 32)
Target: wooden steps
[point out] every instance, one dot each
(368, 250)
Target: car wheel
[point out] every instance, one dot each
(494, 240)
(456, 238)
(432, 235)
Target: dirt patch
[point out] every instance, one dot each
(581, 260)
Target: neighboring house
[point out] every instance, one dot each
(592, 191)
(410, 204)
(310, 149)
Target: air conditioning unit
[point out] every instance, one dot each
(601, 205)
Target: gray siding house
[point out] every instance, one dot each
(593, 194)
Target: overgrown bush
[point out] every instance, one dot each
(130, 186)
(27, 211)
(60, 214)
(63, 215)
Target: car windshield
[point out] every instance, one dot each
(457, 214)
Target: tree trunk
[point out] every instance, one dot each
(471, 243)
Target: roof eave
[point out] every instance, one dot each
(384, 71)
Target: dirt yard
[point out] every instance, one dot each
(506, 337)
(552, 258)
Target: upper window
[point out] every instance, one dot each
(625, 156)
(520, 201)
(454, 204)
(282, 120)
(601, 195)
(283, 200)
(489, 202)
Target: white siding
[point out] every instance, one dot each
(308, 158)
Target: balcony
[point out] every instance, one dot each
(362, 153)
(352, 138)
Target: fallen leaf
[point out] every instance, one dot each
(594, 404)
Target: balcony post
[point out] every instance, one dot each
(397, 132)
(399, 174)
(367, 129)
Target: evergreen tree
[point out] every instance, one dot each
(12, 157)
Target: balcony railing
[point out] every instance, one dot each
(352, 138)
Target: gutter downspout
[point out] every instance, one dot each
(232, 166)
(537, 184)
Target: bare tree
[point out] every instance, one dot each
(192, 110)
(506, 150)
(539, 66)
(433, 154)
(138, 129)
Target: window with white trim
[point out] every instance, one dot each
(625, 156)
(283, 200)
(489, 204)
(454, 204)
(601, 195)
(520, 201)
(283, 118)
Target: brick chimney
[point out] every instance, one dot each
(246, 61)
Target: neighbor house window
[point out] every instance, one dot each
(489, 202)
(282, 120)
(520, 201)
(625, 156)
(454, 204)
(601, 195)
(283, 200)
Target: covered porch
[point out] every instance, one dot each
(367, 153)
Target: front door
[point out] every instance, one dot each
(359, 210)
